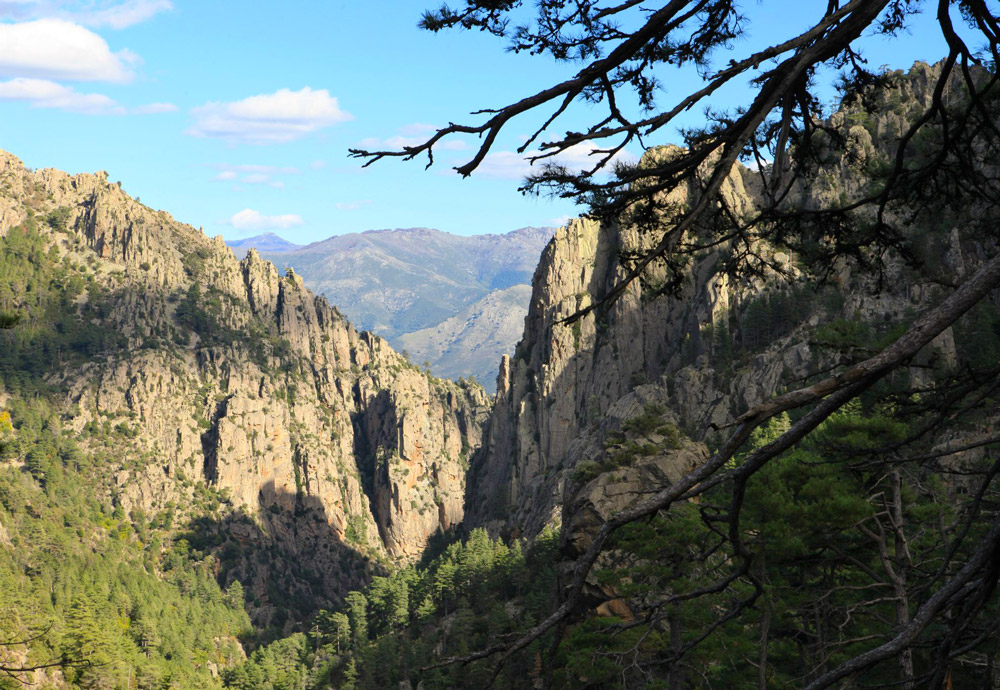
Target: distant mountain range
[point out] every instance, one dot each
(268, 242)
(456, 302)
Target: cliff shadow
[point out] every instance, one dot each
(288, 558)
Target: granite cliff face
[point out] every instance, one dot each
(568, 400)
(232, 385)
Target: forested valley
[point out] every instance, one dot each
(748, 438)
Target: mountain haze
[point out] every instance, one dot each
(268, 242)
(398, 282)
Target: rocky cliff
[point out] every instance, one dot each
(222, 388)
(608, 391)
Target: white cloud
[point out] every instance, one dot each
(274, 118)
(58, 49)
(249, 220)
(41, 93)
(510, 165)
(560, 221)
(124, 14)
(317, 165)
(156, 108)
(352, 205)
(105, 13)
(254, 174)
(411, 135)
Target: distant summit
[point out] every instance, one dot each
(448, 298)
(268, 242)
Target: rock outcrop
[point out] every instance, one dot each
(555, 396)
(229, 377)
(707, 351)
(454, 301)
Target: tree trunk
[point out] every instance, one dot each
(901, 556)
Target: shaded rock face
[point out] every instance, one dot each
(702, 351)
(555, 397)
(237, 378)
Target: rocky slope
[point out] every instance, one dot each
(687, 362)
(470, 342)
(412, 281)
(320, 447)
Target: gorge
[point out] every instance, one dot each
(210, 478)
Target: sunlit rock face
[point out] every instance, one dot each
(226, 374)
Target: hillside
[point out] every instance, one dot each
(258, 496)
(268, 242)
(179, 411)
(471, 341)
(397, 283)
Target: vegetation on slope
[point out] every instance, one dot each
(112, 595)
(470, 594)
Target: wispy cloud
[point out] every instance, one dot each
(254, 174)
(249, 221)
(58, 49)
(510, 165)
(102, 14)
(156, 108)
(123, 15)
(274, 118)
(352, 205)
(41, 93)
(411, 135)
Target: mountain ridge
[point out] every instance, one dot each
(192, 371)
(396, 282)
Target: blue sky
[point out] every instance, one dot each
(237, 117)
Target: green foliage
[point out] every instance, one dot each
(642, 436)
(978, 336)
(9, 319)
(356, 531)
(844, 334)
(96, 581)
(52, 331)
(819, 522)
(58, 219)
(773, 314)
(457, 601)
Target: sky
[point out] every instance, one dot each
(237, 117)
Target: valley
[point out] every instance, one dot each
(742, 433)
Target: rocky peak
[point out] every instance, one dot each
(236, 378)
(705, 353)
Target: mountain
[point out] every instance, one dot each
(399, 282)
(156, 383)
(268, 242)
(203, 453)
(470, 341)
(769, 574)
